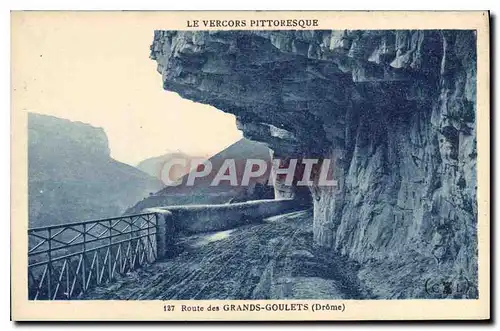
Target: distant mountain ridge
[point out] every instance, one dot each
(155, 166)
(203, 193)
(240, 151)
(72, 177)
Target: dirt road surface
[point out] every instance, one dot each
(273, 259)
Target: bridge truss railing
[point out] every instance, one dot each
(64, 261)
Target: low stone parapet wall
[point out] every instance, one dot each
(190, 219)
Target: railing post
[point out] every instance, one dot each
(67, 279)
(110, 248)
(164, 233)
(148, 240)
(131, 236)
(84, 264)
(97, 280)
(49, 266)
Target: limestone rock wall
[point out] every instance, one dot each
(395, 110)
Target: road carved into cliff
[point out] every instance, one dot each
(270, 260)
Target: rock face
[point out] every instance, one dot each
(394, 110)
(71, 176)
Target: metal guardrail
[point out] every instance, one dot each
(66, 260)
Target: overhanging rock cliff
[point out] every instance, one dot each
(395, 110)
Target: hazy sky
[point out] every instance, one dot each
(101, 74)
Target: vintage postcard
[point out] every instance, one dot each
(250, 166)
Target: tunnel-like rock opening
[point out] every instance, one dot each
(393, 110)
